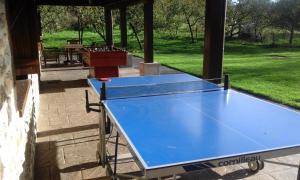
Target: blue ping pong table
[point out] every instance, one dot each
(178, 123)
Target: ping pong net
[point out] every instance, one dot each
(122, 92)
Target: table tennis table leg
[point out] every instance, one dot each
(174, 177)
(108, 126)
(116, 157)
(101, 152)
(298, 174)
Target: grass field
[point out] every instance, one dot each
(270, 72)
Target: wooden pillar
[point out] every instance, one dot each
(215, 15)
(108, 27)
(123, 27)
(39, 25)
(22, 18)
(148, 31)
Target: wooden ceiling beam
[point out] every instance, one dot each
(112, 4)
(72, 2)
(123, 3)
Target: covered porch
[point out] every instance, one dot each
(67, 136)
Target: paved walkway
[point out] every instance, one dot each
(67, 135)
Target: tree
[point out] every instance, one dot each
(287, 16)
(237, 16)
(56, 18)
(193, 13)
(81, 14)
(88, 17)
(96, 21)
(259, 16)
(136, 21)
(51, 18)
(167, 16)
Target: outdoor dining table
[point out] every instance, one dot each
(70, 48)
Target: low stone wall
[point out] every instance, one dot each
(17, 134)
(29, 137)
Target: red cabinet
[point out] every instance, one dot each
(105, 63)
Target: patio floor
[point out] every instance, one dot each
(67, 135)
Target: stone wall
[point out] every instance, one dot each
(28, 127)
(17, 134)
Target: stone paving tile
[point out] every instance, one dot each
(260, 177)
(42, 158)
(43, 173)
(59, 120)
(70, 156)
(43, 143)
(127, 72)
(61, 140)
(68, 136)
(93, 173)
(71, 175)
(86, 136)
(43, 124)
(292, 161)
(290, 174)
(46, 159)
(272, 165)
(55, 173)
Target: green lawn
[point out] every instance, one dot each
(273, 73)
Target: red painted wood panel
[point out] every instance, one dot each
(106, 58)
(106, 72)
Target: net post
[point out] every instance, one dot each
(87, 103)
(226, 82)
(103, 91)
(103, 97)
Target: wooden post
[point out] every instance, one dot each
(215, 15)
(123, 27)
(148, 31)
(108, 27)
(22, 23)
(39, 25)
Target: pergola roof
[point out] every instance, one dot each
(87, 2)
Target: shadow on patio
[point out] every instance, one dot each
(67, 136)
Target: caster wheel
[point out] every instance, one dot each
(261, 165)
(255, 166)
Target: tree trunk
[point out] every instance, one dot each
(239, 30)
(102, 36)
(196, 33)
(231, 32)
(98, 31)
(191, 30)
(136, 35)
(291, 35)
(255, 34)
(261, 38)
(273, 39)
(81, 37)
(79, 28)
